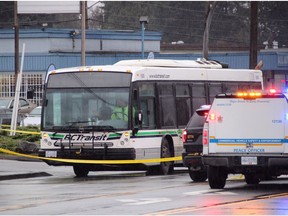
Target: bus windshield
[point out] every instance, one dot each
(77, 102)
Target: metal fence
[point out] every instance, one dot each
(30, 82)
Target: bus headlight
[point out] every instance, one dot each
(46, 142)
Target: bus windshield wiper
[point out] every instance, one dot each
(77, 122)
(73, 127)
(105, 128)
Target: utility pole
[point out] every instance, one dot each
(210, 7)
(143, 20)
(16, 41)
(83, 33)
(253, 34)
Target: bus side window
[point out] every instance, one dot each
(148, 110)
(214, 89)
(167, 105)
(244, 87)
(183, 104)
(198, 95)
(230, 87)
(147, 104)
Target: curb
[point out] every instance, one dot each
(18, 158)
(24, 175)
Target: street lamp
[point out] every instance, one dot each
(143, 20)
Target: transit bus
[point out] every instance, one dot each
(82, 117)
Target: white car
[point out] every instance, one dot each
(25, 106)
(33, 118)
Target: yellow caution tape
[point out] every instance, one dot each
(155, 160)
(20, 131)
(3, 125)
(95, 161)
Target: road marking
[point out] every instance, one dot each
(189, 210)
(143, 201)
(210, 192)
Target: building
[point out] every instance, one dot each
(62, 48)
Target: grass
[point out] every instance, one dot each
(11, 142)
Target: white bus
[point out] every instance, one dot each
(82, 117)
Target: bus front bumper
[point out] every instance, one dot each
(86, 154)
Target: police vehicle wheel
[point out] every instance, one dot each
(217, 177)
(198, 176)
(252, 179)
(166, 167)
(80, 170)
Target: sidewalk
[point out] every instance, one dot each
(8, 172)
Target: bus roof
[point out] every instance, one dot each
(170, 63)
(161, 69)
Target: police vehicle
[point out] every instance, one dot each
(246, 133)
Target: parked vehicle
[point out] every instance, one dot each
(6, 109)
(246, 133)
(192, 143)
(25, 106)
(33, 118)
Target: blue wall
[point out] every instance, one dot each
(40, 62)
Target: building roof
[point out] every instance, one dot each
(90, 34)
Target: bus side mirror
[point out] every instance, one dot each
(139, 117)
(138, 121)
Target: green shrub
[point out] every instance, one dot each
(11, 142)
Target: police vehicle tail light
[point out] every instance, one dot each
(212, 116)
(184, 136)
(205, 137)
(272, 91)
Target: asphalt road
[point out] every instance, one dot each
(55, 191)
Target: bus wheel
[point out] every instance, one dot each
(198, 176)
(251, 178)
(217, 177)
(80, 170)
(166, 167)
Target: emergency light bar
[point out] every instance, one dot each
(255, 94)
(249, 94)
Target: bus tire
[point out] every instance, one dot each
(252, 179)
(217, 177)
(166, 167)
(198, 176)
(80, 170)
